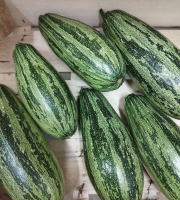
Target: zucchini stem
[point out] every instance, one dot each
(102, 13)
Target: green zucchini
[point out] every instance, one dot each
(111, 159)
(44, 92)
(85, 50)
(158, 140)
(152, 60)
(28, 167)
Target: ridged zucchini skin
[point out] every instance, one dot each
(111, 159)
(44, 92)
(85, 50)
(28, 167)
(158, 140)
(152, 60)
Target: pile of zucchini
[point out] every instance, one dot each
(114, 156)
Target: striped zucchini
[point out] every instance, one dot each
(85, 50)
(28, 167)
(158, 141)
(44, 92)
(152, 60)
(111, 158)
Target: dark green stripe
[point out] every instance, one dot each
(44, 92)
(84, 40)
(158, 140)
(110, 155)
(86, 51)
(79, 54)
(28, 167)
(152, 60)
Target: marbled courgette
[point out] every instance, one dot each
(44, 92)
(111, 158)
(158, 140)
(28, 167)
(153, 62)
(85, 50)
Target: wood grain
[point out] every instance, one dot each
(23, 14)
(155, 12)
(69, 152)
(7, 23)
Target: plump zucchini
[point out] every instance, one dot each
(28, 167)
(111, 158)
(85, 50)
(44, 92)
(158, 140)
(152, 60)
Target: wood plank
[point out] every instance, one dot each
(34, 37)
(155, 12)
(7, 23)
(70, 157)
(69, 151)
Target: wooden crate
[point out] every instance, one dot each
(164, 15)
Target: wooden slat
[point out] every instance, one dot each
(155, 12)
(69, 151)
(70, 157)
(34, 37)
(7, 23)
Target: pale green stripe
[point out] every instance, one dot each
(169, 72)
(8, 180)
(92, 159)
(46, 117)
(105, 51)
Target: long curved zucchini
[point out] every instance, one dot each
(158, 140)
(85, 50)
(152, 60)
(28, 168)
(44, 92)
(111, 159)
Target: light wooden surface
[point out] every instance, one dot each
(155, 12)
(69, 151)
(159, 13)
(7, 24)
